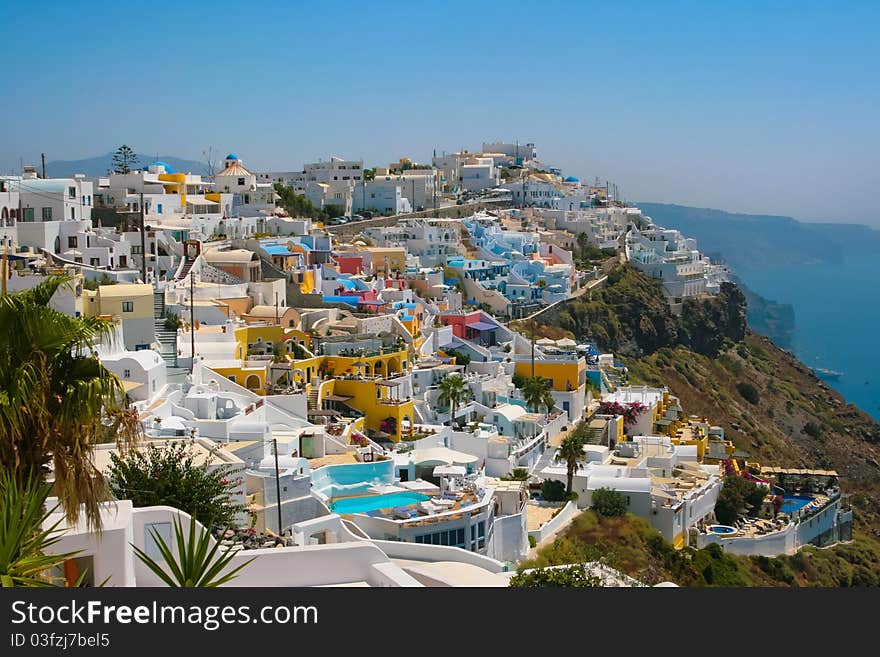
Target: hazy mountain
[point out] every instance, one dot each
(98, 166)
(749, 241)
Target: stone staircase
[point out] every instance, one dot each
(167, 339)
(313, 398)
(184, 270)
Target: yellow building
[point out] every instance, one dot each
(132, 304)
(566, 376)
(387, 260)
(385, 412)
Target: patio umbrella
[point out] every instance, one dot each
(545, 341)
(566, 342)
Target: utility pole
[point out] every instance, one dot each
(43, 157)
(277, 483)
(143, 243)
(277, 321)
(533, 346)
(192, 321)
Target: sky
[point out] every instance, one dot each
(738, 106)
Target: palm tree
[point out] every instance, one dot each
(23, 539)
(536, 393)
(57, 400)
(453, 391)
(571, 451)
(196, 564)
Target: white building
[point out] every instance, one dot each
(380, 196)
(250, 196)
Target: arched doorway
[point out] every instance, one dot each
(253, 382)
(57, 244)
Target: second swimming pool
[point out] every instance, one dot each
(371, 502)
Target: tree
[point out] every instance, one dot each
(169, 476)
(536, 393)
(210, 155)
(124, 159)
(608, 503)
(196, 564)
(57, 400)
(552, 490)
(24, 537)
(517, 474)
(297, 205)
(369, 174)
(571, 452)
(518, 380)
(574, 576)
(738, 494)
(453, 392)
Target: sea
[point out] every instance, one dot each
(837, 320)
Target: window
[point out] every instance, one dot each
(126, 374)
(128, 306)
(158, 208)
(71, 192)
(47, 214)
(72, 214)
(71, 242)
(95, 262)
(163, 529)
(241, 181)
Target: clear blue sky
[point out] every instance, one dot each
(729, 105)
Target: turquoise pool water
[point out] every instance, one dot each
(371, 502)
(791, 503)
(722, 529)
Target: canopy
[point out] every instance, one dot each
(566, 342)
(545, 341)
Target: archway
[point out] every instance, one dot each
(57, 244)
(253, 382)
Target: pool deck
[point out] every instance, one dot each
(333, 459)
(538, 515)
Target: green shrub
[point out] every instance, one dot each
(608, 503)
(532, 541)
(517, 474)
(748, 392)
(172, 321)
(553, 490)
(575, 576)
(813, 429)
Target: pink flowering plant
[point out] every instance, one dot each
(630, 411)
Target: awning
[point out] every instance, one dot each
(390, 384)
(483, 326)
(339, 398)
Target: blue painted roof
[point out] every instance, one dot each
(407, 318)
(232, 156)
(168, 167)
(276, 249)
(346, 283)
(572, 179)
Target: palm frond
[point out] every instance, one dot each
(196, 563)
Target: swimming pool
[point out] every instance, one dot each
(371, 502)
(722, 530)
(792, 503)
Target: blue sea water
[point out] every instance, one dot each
(837, 316)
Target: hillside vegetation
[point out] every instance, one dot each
(632, 546)
(770, 404)
(630, 317)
